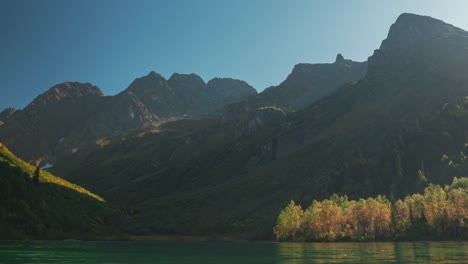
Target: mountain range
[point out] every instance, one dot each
(72, 113)
(182, 156)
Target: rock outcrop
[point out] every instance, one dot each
(6, 114)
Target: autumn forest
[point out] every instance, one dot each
(438, 213)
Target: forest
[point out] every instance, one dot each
(439, 213)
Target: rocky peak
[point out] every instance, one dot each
(151, 76)
(6, 114)
(421, 43)
(228, 87)
(156, 94)
(340, 58)
(147, 84)
(188, 80)
(191, 91)
(306, 74)
(224, 91)
(67, 90)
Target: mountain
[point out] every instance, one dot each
(48, 206)
(306, 84)
(404, 121)
(6, 114)
(227, 91)
(309, 82)
(155, 93)
(67, 115)
(49, 118)
(72, 114)
(187, 94)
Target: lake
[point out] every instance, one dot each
(175, 252)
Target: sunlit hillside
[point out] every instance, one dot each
(34, 204)
(44, 176)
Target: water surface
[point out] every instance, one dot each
(176, 252)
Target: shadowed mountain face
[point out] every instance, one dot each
(419, 44)
(154, 92)
(34, 131)
(366, 138)
(226, 91)
(309, 82)
(69, 115)
(306, 84)
(187, 94)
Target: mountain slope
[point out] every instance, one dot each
(48, 207)
(376, 136)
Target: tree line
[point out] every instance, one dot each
(438, 213)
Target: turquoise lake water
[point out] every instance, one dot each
(175, 252)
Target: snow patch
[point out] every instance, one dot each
(47, 166)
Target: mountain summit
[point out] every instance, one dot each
(67, 90)
(423, 44)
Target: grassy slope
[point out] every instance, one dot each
(51, 208)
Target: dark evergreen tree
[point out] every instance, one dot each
(36, 175)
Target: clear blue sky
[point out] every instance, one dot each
(109, 43)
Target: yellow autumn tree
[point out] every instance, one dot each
(324, 220)
(435, 204)
(289, 222)
(457, 211)
(415, 204)
(402, 220)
